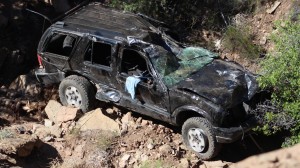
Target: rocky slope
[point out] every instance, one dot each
(106, 137)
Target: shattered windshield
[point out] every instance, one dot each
(173, 69)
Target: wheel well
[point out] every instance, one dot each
(69, 73)
(184, 115)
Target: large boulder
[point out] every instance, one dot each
(59, 114)
(97, 120)
(287, 157)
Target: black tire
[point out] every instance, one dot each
(82, 87)
(196, 124)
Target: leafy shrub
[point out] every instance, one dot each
(280, 71)
(272, 118)
(239, 39)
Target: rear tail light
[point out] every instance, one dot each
(40, 61)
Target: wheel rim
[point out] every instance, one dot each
(197, 139)
(73, 96)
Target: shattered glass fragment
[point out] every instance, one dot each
(189, 60)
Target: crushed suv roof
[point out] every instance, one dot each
(107, 22)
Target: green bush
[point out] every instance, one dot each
(281, 72)
(239, 40)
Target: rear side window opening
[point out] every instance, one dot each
(61, 44)
(98, 53)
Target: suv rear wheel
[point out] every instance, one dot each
(76, 91)
(198, 135)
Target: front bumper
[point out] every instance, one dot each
(49, 78)
(228, 135)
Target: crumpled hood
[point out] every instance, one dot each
(224, 83)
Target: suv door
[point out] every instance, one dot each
(97, 61)
(151, 97)
(58, 48)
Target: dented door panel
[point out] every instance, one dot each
(151, 99)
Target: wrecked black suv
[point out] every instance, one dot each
(123, 58)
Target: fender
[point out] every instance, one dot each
(184, 109)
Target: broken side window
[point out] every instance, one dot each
(61, 44)
(133, 63)
(134, 68)
(98, 53)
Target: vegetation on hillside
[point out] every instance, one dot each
(190, 16)
(280, 71)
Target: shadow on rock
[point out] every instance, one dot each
(258, 144)
(40, 157)
(4, 122)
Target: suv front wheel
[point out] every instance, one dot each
(76, 91)
(198, 136)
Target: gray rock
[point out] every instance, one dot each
(109, 111)
(144, 123)
(51, 109)
(124, 129)
(58, 113)
(274, 7)
(127, 118)
(48, 138)
(150, 146)
(123, 162)
(165, 149)
(67, 114)
(184, 163)
(48, 123)
(41, 131)
(97, 120)
(216, 164)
